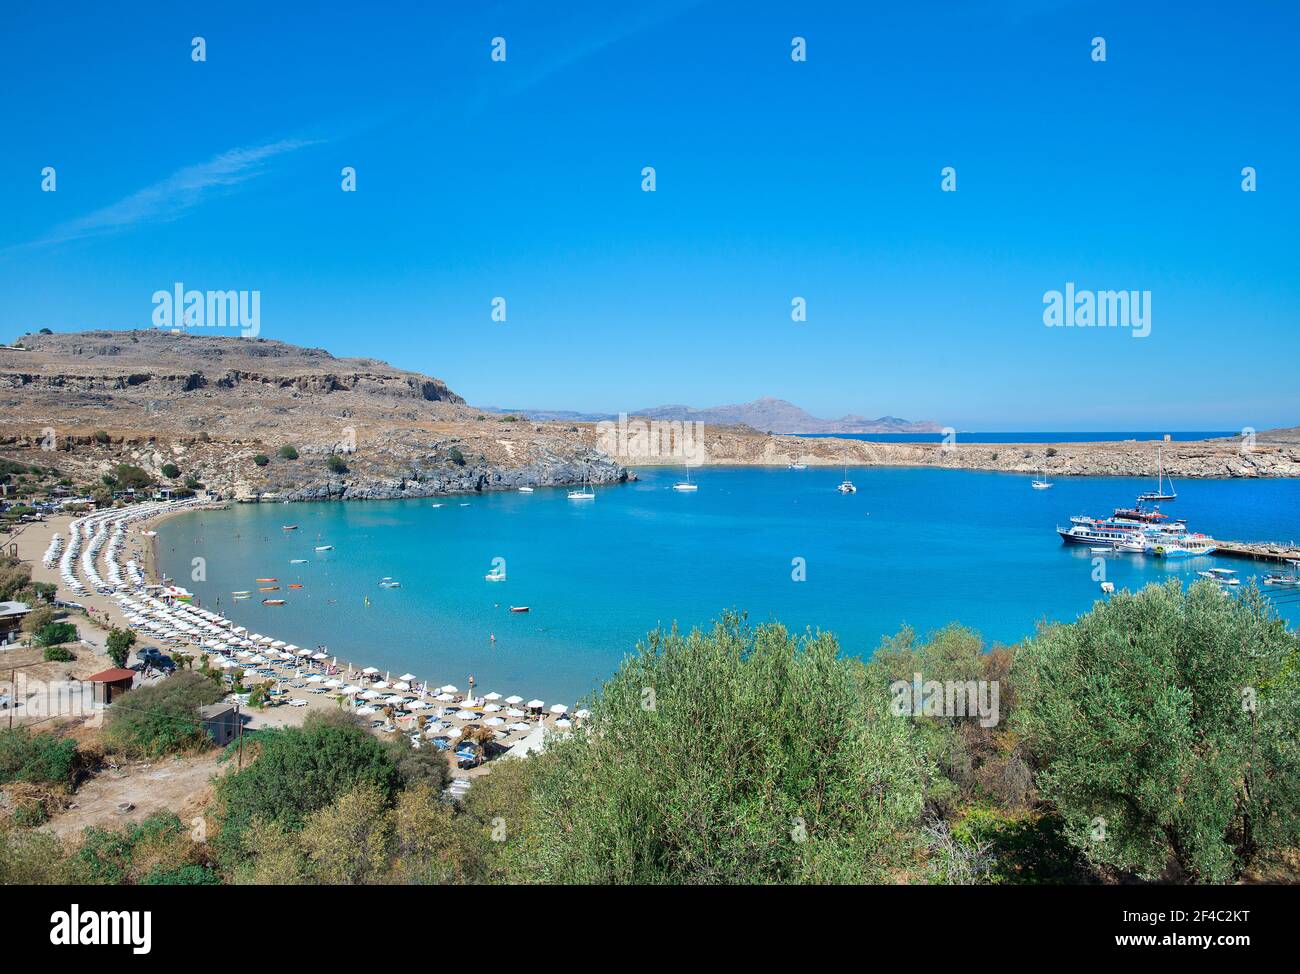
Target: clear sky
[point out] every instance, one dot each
(775, 179)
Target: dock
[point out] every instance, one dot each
(1258, 550)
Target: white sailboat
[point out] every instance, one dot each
(583, 493)
(1159, 494)
(847, 487)
(1042, 484)
(686, 484)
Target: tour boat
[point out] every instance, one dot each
(273, 601)
(847, 487)
(686, 484)
(1093, 532)
(1159, 494)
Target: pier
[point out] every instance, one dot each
(1258, 550)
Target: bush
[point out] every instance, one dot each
(287, 452)
(101, 437)
(31, 813)
(131, 476)
(456, 456)
(170, 471)
(299, 771)
(758, 758)
(58, 654)
(154, 851)
(38, 758)
(1165, 729)
(336, 464)
(55, 633)
(162, 718)
(261, 459)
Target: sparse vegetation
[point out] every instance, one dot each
(335, 464)
(261, 459)
(287, 452)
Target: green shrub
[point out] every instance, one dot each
(261, 459)
(162, 718)
(31, 813)
(129, 475)
(287, 452)
(56, 633)
(336, 464)
(456, 456)
(38, 758)
(58, 654)
(170, 471)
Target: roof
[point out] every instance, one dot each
(215, 710)
(112, 675)
(14, 608)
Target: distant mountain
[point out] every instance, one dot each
(766, 414)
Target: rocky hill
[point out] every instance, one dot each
(85, 402)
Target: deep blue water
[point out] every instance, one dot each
(915, 546)
(966, 437)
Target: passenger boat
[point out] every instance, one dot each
(1099, 533)
(273, 601)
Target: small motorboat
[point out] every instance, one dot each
(519, 608)
(240, 598)
(273, 601)
(264, 580)
(295, 585)
(389, 583)
(1224, 576)
(1277, 578)
(324, 547)
(525, 490)
(243, 594)
(288, 527)
(1101, 551)
(269, 588)
(297, 561)
(798, 466)
(496, 575)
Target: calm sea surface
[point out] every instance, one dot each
(918, 547)
(964, 437)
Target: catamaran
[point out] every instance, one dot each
(686, 484)
(1159, 493)
(1042, 484)
(847, 487)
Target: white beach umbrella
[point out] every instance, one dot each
(315, 678)
(514, 712)
(371, 695)
(492, 708)
(334, 683)
(407, 676)
(367, 711)
(304, 652)
(465, 715)
(370, 670)
(564, 722)
(453, 732)
(491, 696)
(394, 699)
(445, 697)
(450, 689)
(403, 685)
(514, 699)
(352, 690)
(582, 714)
(415, 705)
(535, 704)
(559, 708)
(494, 722)
(319, 656)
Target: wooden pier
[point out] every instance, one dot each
(1259, 551)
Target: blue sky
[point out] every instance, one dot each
(775, 179)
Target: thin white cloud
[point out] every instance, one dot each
(171, 197)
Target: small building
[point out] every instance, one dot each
(221, 720)
(12, 615)
(111, 684)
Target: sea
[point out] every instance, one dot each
(913, 547)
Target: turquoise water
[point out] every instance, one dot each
(918, 547)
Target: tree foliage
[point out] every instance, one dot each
(162, 718)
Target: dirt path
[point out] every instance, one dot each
(181, 785)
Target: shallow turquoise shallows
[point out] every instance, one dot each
(915, 547)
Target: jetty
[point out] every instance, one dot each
(1258, 550)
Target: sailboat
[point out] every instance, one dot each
(1041, 484)
(1159, 493)
(583, 493)
(686, 484)
(847, 487)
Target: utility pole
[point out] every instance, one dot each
(239, 729)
